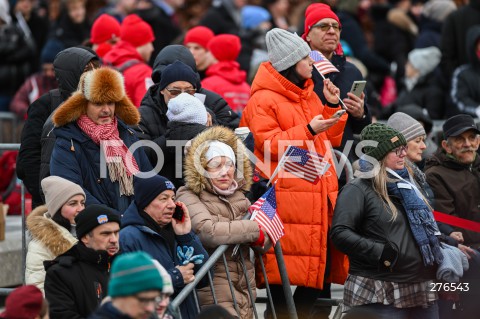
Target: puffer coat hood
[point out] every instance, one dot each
(195, 180)
(69, 65)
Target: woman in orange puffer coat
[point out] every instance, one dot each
(283, 110)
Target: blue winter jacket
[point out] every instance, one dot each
(76, 158)
(135, 236)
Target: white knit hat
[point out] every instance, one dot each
(187, 108)
(425, 60)
(285, 49)
(58, 191)
(217, 148)
(167, 280)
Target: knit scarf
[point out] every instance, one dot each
(119, 168)
(420, 218)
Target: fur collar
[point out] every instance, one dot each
(194, 180)
(53, 236)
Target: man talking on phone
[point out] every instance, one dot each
(149, 225)
(322, 33)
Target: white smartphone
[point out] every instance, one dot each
(338, 114)
(358, 87)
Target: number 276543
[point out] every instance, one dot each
(449, 286)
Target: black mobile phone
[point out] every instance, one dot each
(178, 214)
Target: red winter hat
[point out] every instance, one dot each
(136, 31)
(104, 28)
(316, 12)
(201, 35)
(25, 302)
(225, 47)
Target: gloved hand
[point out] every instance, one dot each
(186, 256)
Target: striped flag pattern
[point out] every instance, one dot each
(264, 211)
(321, 63)
(304, 164)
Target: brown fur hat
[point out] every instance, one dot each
(98, 86)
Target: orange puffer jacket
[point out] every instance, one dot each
(277, 114)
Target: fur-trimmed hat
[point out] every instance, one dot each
(98, 86)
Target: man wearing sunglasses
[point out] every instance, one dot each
(322, 33)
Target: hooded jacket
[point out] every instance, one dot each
(77, 158)
(135, 235)
(465, 90)
(49, 240)
(153, 109)
(453, 41)
(36, 142)
(218, 220)
(137, 77)
(280, 111)
(226, 79)
(76, 282)
(456, 187)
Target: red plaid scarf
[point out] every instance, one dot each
(120, 161)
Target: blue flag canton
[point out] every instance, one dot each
(269, 207)
(303, 154)
(316, 56)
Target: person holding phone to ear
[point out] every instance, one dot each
(148, 225)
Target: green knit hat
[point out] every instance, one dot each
(132, 273)
(388, 139)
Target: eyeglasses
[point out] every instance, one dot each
(399, 150)
(156, 301)
(176, 92)
(214, 166)
(326, 26)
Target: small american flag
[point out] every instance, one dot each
(321, 63)
(264, 211)
(304, 164)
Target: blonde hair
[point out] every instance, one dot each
(380, 187)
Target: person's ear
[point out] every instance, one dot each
(446, 147)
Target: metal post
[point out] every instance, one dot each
(24, 230)
(292, 312)
(269, 293)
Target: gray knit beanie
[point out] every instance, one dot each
(425, 60)
(285, 49)
(407, 125)
(438, 10)
(58, 191)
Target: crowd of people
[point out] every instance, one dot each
(136, 154)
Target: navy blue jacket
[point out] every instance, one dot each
(135, 236)
(76, 158)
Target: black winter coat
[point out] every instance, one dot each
(33, 159)
(213, 102)
(362, 226)
(178, 131)
(465, 92)
(108, 311)
(76, 282)
(453, 40)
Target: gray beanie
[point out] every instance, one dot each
(285, 49)
(58, 191)
(188, 109)
(425, 60)
(407, 125)
(438, 10)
